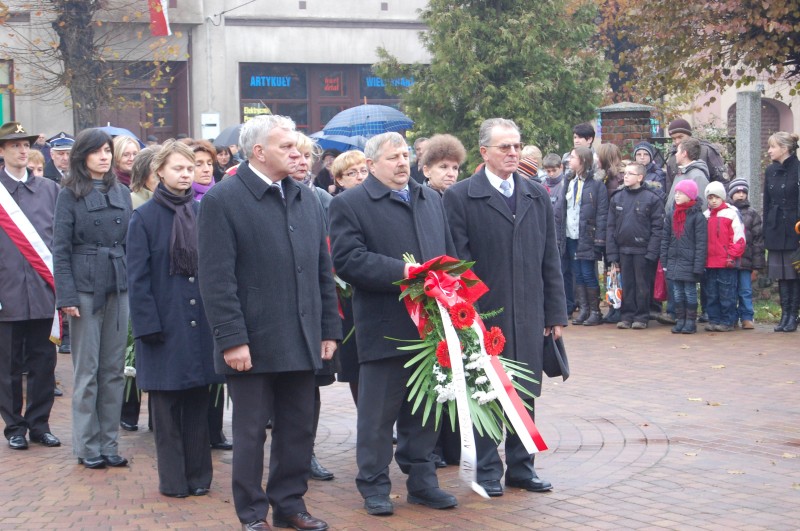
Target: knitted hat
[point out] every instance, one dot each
(645, 146)
(528, 168)
(716, 188)
(688, 187)
(680, 126)
(739, 185)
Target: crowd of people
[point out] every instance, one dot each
(227, 273)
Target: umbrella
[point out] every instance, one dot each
(112, 131)
(229, 136)
(367, 121)
(339, 142)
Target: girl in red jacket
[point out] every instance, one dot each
(726, 244)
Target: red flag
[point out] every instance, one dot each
(159, 18)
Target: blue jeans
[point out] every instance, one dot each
(585, 270)
(745, 293)
(684, 292)
(720, 289)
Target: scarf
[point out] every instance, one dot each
(201, 189)
(123, 177)
(183, 240)
(679, 217)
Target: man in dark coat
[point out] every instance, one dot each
(27, 300)
(266, 281)
(60, 149)
(372, 226)
(505, 223)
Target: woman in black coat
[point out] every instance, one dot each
(174, 348)
(585, 224)
(781, 213)
(91, 222)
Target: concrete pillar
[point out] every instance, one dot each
(748, 143)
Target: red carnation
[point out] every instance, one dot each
(462, 315)
(494, 341)
(442, 355)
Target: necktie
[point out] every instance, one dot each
(505, 187)
(279, 189)
(402, 194)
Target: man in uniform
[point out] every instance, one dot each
(60, 149)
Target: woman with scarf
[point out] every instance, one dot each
(204, 157)
(224, 161)
(125, 151)
(91, 223)
(174, 349)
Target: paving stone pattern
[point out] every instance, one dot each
(652, 431)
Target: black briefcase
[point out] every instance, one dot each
(554, 361)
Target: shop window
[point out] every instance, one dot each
(272, 82)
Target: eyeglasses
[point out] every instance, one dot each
(632, 173)
(505, 148)
(355, 173)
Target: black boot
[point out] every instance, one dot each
(690, 325)
(583, 305)
(794, 306)
(785, 291)
(593, 303)
(613, 316)
(680, 317)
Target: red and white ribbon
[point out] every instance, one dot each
(22, 233)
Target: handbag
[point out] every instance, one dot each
(554, 358)
(660, 285)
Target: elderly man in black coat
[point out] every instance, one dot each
(372, 225)
(505, 223)
(266, 281)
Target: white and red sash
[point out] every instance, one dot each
(22, 233)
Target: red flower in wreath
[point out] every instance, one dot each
(442, 355)
(462, 315)
(495, 341)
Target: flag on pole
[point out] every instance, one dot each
(159, 18)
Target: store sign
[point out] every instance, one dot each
(251, 110)
(374, 81)
(332, 84)
(270, 81)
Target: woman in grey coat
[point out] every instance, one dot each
(91, 222)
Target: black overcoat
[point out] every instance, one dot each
(782, 204)
(166, 304)
(516, 256)
(265, 273)
(371, 228)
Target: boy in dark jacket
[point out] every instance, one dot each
(645, 154)
(635, 219)
(753, 258)
(683, 254)
(555, 182)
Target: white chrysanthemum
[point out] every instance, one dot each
(130, 372)
(481, 380)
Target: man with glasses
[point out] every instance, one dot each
(505, 223)
(633, 243)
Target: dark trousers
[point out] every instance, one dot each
(131, 404)
(519, 463)
(180, 430)
(287, 398)
(27, 344)
(721, 295)
(637, 289)
(569, 282)
(216, 409)
(382, 400)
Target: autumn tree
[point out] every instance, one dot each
(81, 50)
(682, 47)
(528, 60)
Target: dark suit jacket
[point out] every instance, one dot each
(371, 228)
(265, 273)
(51, 172)
(516, 256)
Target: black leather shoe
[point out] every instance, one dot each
(199, 491)
(379, 505)
(222, 445)
(493, 488)
(92, 462)
(438, 460)
(47, 439)
(64, 349)
(319, 472)
(257, 525)
(435, 498)
(533, 484)
(18, 442)
(178, 495)
(114, 460)
(128, 427)
(301, 521)
(57, 391)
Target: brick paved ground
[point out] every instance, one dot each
(652, 431)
